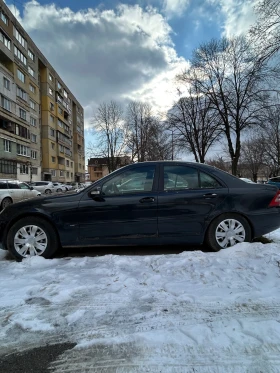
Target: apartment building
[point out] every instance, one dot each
(98, 167)
(41, 122)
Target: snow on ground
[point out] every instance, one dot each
(190, 312)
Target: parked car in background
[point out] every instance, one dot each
(12, 191)
(274, 181)
(59, 187)
(169, 203)
(247, 180)
(45, 187)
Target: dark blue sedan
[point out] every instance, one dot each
(165, 202)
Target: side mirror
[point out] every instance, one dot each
(95, 192)
(31, 188)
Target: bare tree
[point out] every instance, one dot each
(271, 139)
(230, 75)
(196, 124)
(145, 136)
(109, 130)
(266, 32)
(219, 162)
(252, 155)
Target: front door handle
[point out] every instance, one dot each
(147, 200)
(209, 195)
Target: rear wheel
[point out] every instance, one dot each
(6, 202)
(227, 230)
(48, 191)
(32, 236)
(59, 190)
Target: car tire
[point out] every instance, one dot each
(6, 202)
(227, 230)
(48, 191)
(34, 227)
(59, 190)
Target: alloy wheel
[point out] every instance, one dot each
(30, 240)
(230, 232)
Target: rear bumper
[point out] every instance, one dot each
(266, 222)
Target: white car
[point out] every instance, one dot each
(12, 191)
(43, 186)
(247, 180)
(59, 187)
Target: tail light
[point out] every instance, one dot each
(276, 200)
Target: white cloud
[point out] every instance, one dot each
(175, 7)
(239, 15)
(110, 54)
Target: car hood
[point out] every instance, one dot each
(42, 203)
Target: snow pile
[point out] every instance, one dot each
(190, 312)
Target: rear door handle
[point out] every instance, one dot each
(209, 195)
(147, 200)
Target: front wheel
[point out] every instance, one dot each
(48, 191)
(227, 230)
(32, 236)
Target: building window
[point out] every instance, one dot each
(32, 104)
(22, 114)
(65, 93)
(7, 146)
(33, 154)
(4, 18)
(31, 71)
(52, 133)
(32, 88)
(20, 55)
(52, 118)
(60, 111)
(61, 148)
(34, 170)
(6, 104)
(5, 40)
(23, 150)
(21, 93)
(31, 55)
(53, 172)
(52, 145)
(8, 167)
(21, 76)
(33, 121)
(33, 138)
(72, 175)
(60, 123)
(61, 173)
(7, 83)
(67, 163)
(50, 77)
(20, 38)
(51, 91)
(24, 169)
(67, 174)
(51, 106)
(53, 159)
(58, 85)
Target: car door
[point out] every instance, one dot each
(124, 210)
(26, 191)
(187, 198)
(17, 194)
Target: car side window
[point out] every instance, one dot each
(3, 185)
(23, 186)
(134, 181)
(207, 181)
(180, 177)
(12, 185)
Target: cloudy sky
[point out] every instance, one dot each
(121, 50)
